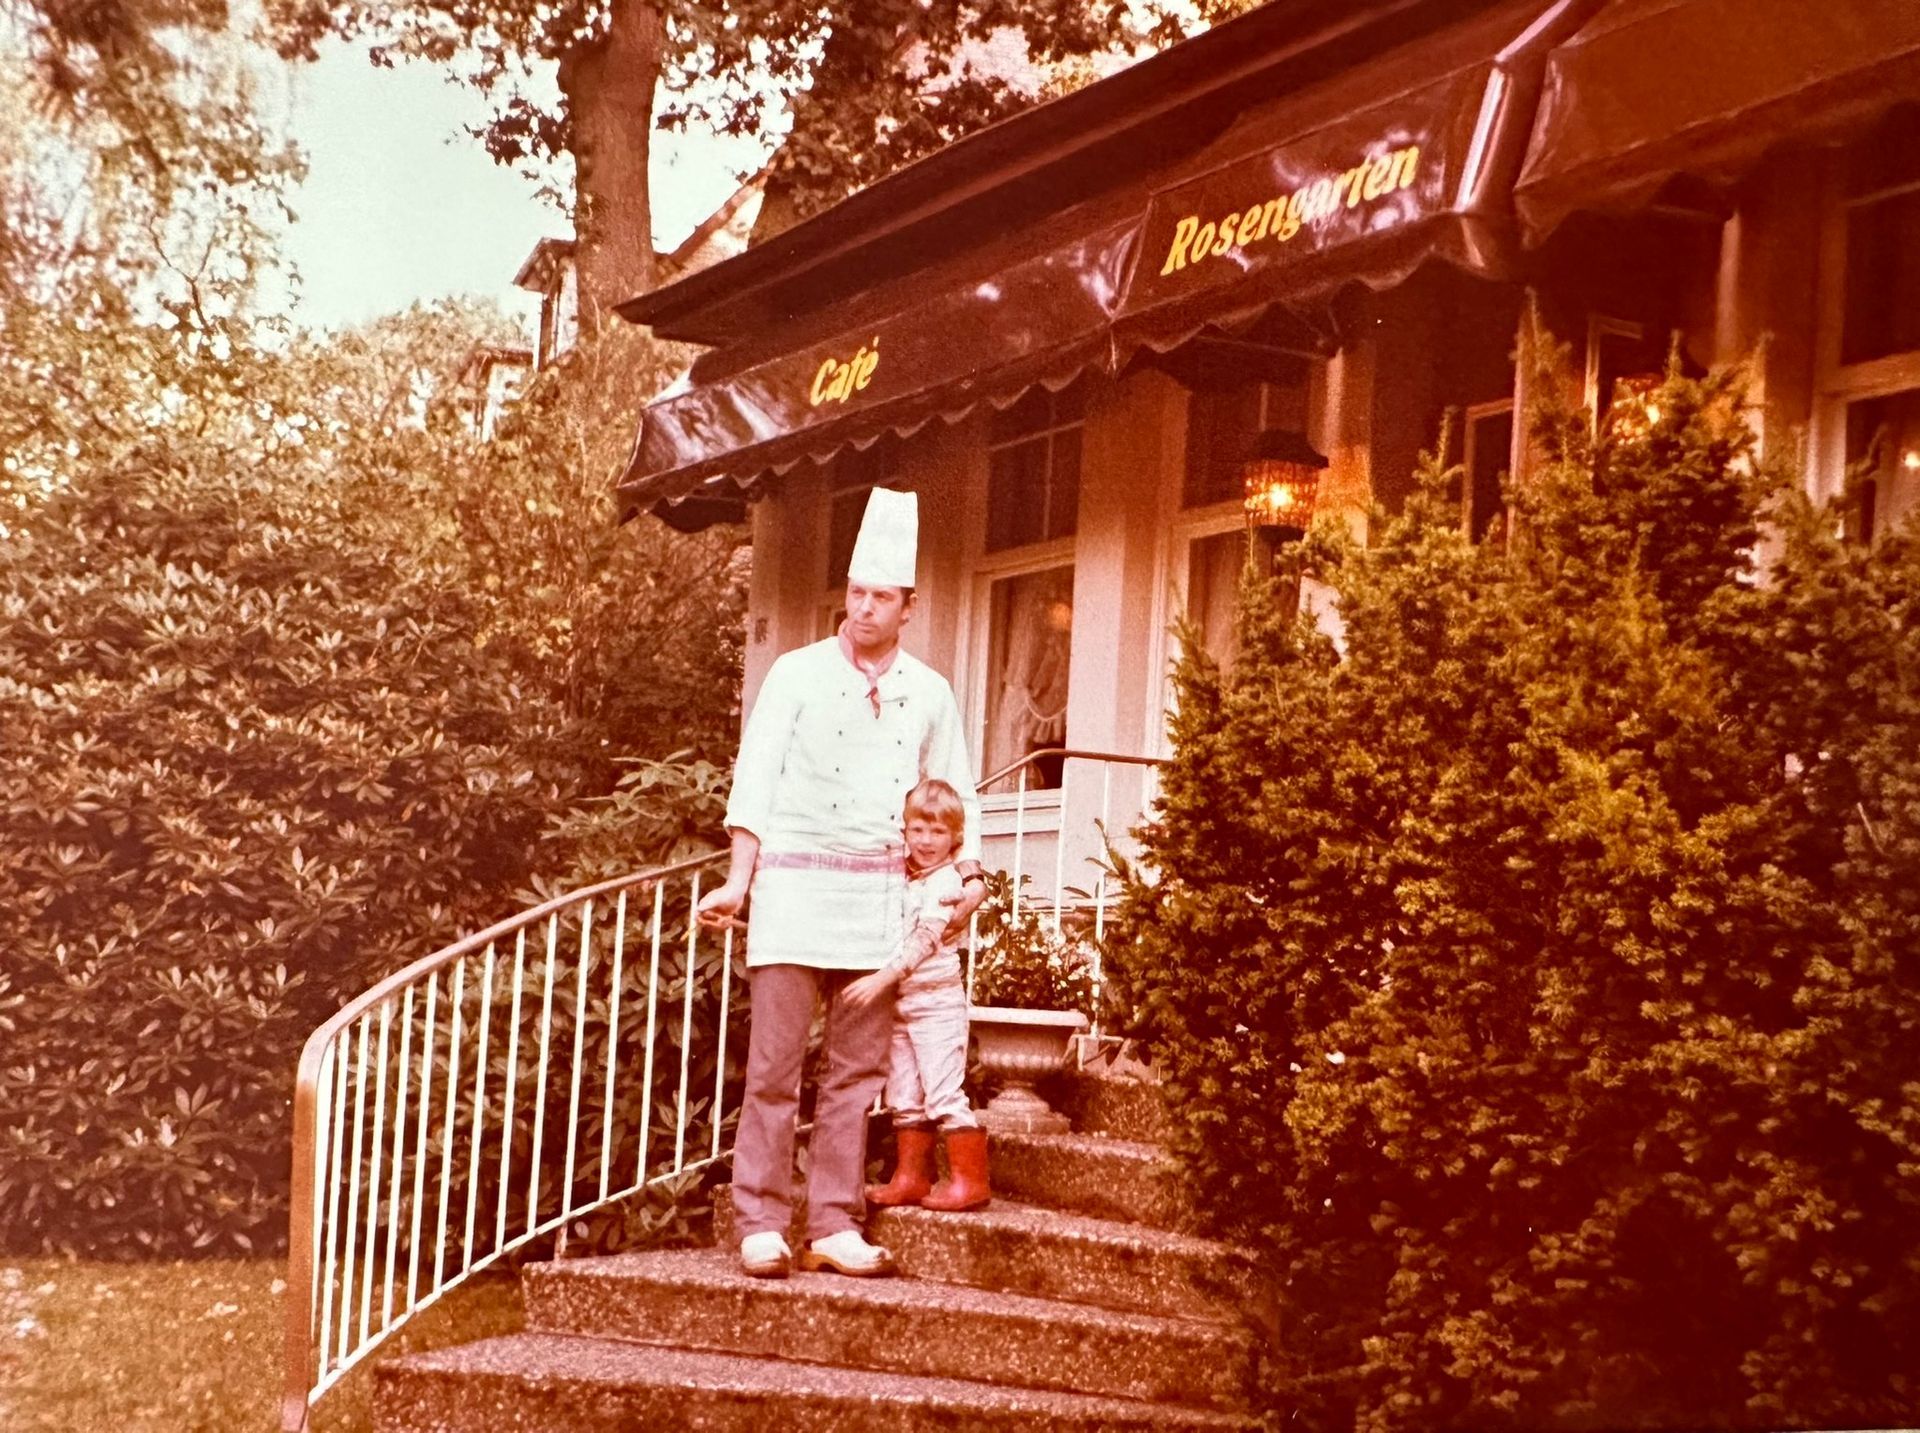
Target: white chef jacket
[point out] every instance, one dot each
(821, 779)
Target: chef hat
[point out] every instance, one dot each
(884, 553)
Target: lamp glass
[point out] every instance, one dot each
(1280, 493)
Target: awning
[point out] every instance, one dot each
(1404, 157)
(1651, 89)
(900, 359)
(1366, 198)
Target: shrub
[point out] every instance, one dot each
(271, 737)
(1021, 961)
(1535, 980)
(254, 761)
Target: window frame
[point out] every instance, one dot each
(1469, 418)
(988, 569)
(1600, 328)
(1181, 526)
(1837, 385)
(1048, 434)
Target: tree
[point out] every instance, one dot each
(1535, 980)
(867, 86)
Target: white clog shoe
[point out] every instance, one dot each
(765, 1256)
(848, 1252)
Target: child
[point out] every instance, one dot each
(929, 1057)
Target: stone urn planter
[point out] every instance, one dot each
(1018, 1047)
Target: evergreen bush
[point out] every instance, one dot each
(1537, 980)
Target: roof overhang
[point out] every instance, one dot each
(1041, 161)
(536, 269)
(1651, 90)
(1379, 162)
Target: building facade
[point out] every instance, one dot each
(1329, 222)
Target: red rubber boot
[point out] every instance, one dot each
(912, 1169)
(966, 1184)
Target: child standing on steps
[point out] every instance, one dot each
(928, 1062)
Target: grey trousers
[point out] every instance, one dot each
(783, 999)
(927, 1073)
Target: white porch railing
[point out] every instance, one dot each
(1057, 836)
(428, 1112)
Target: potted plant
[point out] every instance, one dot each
(1032, 988)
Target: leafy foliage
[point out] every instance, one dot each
(1535, 982)
(633, 627)
(1021, 961)
(255, 760)
(299, 683)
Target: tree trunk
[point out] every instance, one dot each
(609, 86)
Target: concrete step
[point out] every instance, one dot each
(698, 1299)
(1124, 1109)
(1095, 1174)
(553, 1383)
(1025, 1249)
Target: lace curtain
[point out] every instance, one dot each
(1029, 653)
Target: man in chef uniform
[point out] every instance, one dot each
(841, 731)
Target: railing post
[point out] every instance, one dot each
(613, 1043)
(479, 1109)
(1019, 839)
(579, 1049)
(720, 1055)
(686, 1026)
(452, 1110)
(513, 1079)
(399, 1154)
(1060, 850)
(303, 1244)
(373, 1175)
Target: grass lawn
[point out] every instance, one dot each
(184, 1348)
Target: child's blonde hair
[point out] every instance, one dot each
(935, 800)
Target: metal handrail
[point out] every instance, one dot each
(320, 1111)
(1118, 758)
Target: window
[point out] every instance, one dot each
(1214, 566)
(1029, 651)
(1209, 548)
(1488, 451)
(1619, 351)
(1222, 424)
(1882, 252)
(1868, 410)
(1883, 449)
(1033, 469)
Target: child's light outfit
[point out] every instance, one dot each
(927, 1072)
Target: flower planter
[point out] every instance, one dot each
(1018, 1047)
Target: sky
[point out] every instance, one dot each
(401, 205)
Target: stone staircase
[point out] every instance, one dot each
(1079, 1300)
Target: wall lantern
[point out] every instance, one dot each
(1282, 478)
